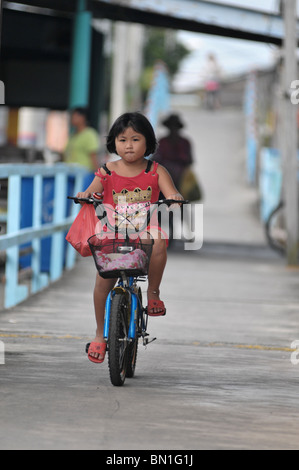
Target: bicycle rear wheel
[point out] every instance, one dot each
(118, 342)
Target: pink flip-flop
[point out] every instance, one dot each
(156, 304)
(96, 348)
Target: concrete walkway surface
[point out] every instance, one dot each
(219, 375)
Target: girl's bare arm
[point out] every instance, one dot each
(167, 186)
(95, 187)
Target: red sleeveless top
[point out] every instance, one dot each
(131, 196)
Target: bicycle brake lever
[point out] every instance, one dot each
(83, 199)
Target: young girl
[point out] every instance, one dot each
(132, 138)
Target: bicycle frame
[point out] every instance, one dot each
(134, 302)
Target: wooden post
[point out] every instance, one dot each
(290, 160)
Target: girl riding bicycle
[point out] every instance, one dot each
(134, 180)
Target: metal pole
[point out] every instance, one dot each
(119, 72)
(81, 57)
(290, 161)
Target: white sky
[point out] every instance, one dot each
(234, 56)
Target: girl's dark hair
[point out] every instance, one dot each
(140, 124)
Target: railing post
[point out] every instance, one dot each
(13, 292)
(70, 251)
(39, 281)
(58, 239)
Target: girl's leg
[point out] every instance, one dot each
(101, 291)
(156, 270)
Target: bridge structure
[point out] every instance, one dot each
(78, 49)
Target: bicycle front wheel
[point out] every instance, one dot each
(118, 339)
(133, 346)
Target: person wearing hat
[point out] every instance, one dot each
(174, 151)
(175, 154)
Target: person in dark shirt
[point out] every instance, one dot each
(174, 151)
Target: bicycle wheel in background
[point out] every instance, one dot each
(118, 339)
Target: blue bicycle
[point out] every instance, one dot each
(125, 257)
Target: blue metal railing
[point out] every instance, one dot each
(45, 236)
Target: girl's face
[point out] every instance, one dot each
(130, 145)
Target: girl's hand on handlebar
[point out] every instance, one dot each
(84, 195)
(177, 197)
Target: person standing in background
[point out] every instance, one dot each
(212, 75)
(174, 151)
(83, 145)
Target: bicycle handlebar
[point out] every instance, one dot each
(97, 200)
(93, 200)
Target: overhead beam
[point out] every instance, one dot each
(191, 15)
(197, 16)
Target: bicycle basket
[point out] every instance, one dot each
(113, 258)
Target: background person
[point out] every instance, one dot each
(212, 74)
(176, 155)
(174, 151)
(83, 145)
